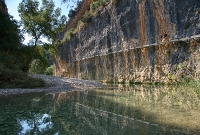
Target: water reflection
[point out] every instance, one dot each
(41, 123)
(139, 110)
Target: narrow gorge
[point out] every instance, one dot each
(122, 43)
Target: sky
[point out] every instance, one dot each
(12, 6)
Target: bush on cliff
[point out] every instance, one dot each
(95, 5)
(115, 1)
(86, 18)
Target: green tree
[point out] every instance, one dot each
(39, 64)
(10, 37)
(10, 40)
(38, 22)
(49, 70)
(13, 54)
(36, 67)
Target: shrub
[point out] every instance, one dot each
(37, 67)
(79, 25)
(86, 18)
(115, 1)
(28, 82)
(70, 32)
(72, 13)
(49, 70)
(94, 5)
(18, 79)
(68, 35)
(103, 2)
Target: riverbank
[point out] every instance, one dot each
(55, 84)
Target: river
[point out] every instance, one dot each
(114, 110)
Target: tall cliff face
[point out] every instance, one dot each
(122, 42)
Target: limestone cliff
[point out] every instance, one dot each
(122, 43)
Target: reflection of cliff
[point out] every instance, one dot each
(113, 47)
(137, 109)
(119, 110)
(132, 110)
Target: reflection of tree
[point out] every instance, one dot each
(34, 124)
(34, 118)
(38, 123)
(25, 109)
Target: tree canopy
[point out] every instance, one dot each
(10, 34)
(10, 41)
(41, 21)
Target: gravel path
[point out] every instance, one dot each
(55, 84)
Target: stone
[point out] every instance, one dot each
(136, 25)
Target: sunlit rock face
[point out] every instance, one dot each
(116, 45)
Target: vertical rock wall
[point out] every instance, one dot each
(116, 46)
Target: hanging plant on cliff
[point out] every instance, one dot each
(40, 21)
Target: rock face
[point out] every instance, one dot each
(122, 43)
(3, 7)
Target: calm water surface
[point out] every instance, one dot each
(116, 110)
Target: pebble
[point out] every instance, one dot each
(55, 84)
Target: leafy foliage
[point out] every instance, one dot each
(115, 1)
(36, 67)
(44, 21)
(95, 5)
(52, 50)
(82, 20)
(86, 18)
(39, 64)
(9, 29)
(13, 55)
(71, 13)
(49, 70)
(10, 40)
(68, 34)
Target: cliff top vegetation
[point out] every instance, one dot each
(81, 16)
